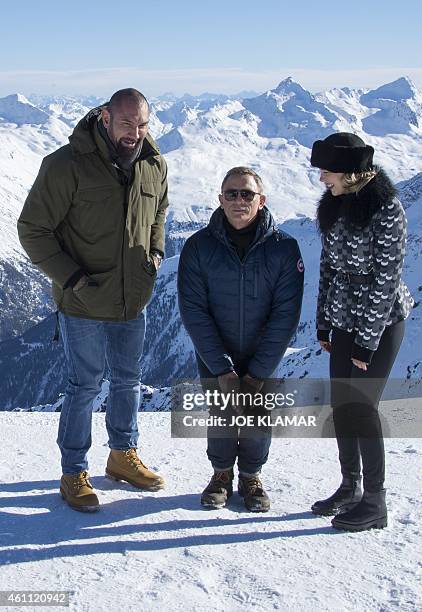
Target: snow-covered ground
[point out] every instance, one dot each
(161, 551)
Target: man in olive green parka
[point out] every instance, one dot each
(94, 223)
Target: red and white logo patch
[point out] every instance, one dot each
(300, 265)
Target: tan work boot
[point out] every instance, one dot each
(126, 465)
(78, 492)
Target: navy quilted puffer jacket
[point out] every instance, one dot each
(235, 309)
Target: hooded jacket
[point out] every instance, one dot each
(81, 214)
(233, 309)
(363, 233)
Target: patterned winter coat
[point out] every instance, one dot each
(362, 234)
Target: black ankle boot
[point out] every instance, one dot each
(369, 513)
(346, 497)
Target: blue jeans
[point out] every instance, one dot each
(88, 344)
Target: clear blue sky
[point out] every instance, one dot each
(185, 46)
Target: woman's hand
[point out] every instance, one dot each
(325, 345)
(360, 364)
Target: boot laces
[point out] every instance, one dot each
(133, 459)
(81, 480)
(219, 481)
(253, 485)
(221, 476)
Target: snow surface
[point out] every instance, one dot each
(161, 551)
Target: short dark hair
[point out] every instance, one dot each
(126, 95)
(240, 171)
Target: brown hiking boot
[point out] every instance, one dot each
(253, 493)
(126, 465)
(218, 490)
(78, 492)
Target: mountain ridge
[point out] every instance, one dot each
(211, 136)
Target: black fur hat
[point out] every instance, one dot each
(342, 152)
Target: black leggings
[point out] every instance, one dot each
(355, 395)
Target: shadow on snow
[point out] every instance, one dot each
(57, 530)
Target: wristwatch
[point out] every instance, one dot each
(157, 257)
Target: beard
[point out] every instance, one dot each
(127, 155)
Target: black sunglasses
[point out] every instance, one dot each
(231, 194)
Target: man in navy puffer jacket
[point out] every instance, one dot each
(240, 285)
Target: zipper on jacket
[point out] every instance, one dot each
(125, 209)
(255, 280)
(241, 263)
(241, 307)
(242, 289)
(242, 296)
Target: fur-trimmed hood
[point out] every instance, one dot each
(356, 208)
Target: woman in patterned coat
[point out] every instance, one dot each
(362, 305)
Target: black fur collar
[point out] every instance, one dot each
(356, 208)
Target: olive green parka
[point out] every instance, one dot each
(79, 214)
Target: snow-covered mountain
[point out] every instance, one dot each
(291, 112)
(33, 364)
(397, 108)
(27, 134)
(202, 137)
(17, 109)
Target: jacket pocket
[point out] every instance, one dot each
(145, 284)
(150, 192)
(96, 213)
(100, 300)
